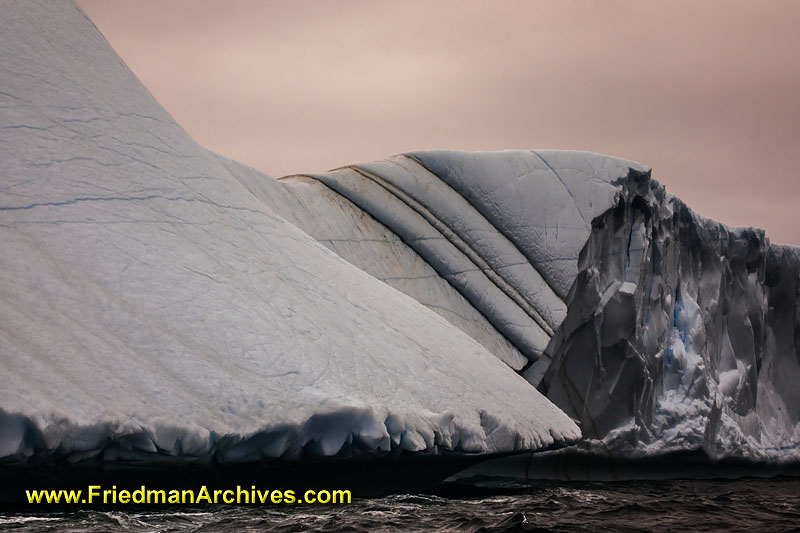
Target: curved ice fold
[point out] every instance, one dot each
(486, 223)
(542, 201)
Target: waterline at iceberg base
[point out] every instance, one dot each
(167, 311)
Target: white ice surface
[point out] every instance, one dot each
(543, 201)
(152, 306)
(504, 229)
(358, 238)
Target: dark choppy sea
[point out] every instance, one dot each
(752, 505)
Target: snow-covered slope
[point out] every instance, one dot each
(153, 309)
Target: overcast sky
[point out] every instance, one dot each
(707, 93)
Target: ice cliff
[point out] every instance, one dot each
(681, 334)
(162, 304)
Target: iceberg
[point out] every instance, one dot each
(659, 331)
(165, 308)
(155, 313)
(691, 329)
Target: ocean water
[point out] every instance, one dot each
(753, 505)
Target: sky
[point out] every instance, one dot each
(707, 93)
